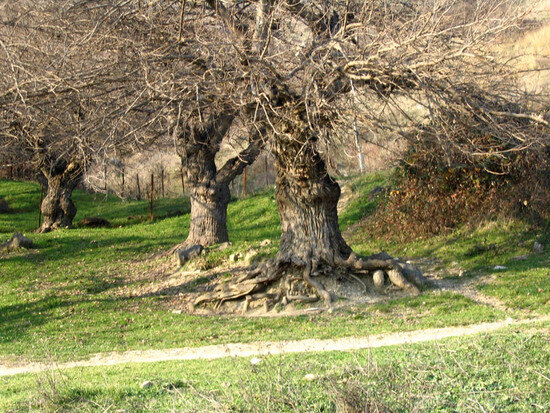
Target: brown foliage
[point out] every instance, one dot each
(438, 188)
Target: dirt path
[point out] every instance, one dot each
(269, 348)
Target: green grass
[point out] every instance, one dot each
(505, 371)
(63, 299)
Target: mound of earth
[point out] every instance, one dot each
(4, 207)
(17, 241)
(94, 222)
(180, 290)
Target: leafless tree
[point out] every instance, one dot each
(184, 93)
(58, 72)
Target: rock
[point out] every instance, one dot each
(412, 272)
(185, 254)
(378, 279)
(4, 207)
(17, 241)
(235, 257)
(378, 191)
(223, 246)
(310, 377)
(146, 384)
(265, 243)
(94, 222)
(250, 255)
(380, 256)
(255, 360)
(537, 248)
(520, 258)
(499, 267)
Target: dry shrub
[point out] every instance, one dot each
(438, 187)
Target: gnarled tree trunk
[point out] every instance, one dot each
(208, 186)
(57, 207)
(311, 244)
(307, 199)
(209, 200)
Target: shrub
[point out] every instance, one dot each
(443, 183)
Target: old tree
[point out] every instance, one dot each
(60, 76)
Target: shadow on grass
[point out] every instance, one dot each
(86, 248)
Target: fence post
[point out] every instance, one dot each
(138, 187)
(151, 216)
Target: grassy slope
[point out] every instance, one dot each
(60, 301)
(503, 371)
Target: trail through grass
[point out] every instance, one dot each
(505, 371)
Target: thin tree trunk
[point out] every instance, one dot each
(123, 176)
(152, 197)
(105, 179)
(360, 156)
(138, 187)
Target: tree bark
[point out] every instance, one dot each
(57, 207)
(311, 243)
(208, 213)
(209, 187)
(307, 199)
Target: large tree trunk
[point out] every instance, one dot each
(57, 207)
(311, 244)
(208, 186)
(209, 198)
(307, 199)
(208, 214)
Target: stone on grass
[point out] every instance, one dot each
(185, 254)
(265, 243)
(17, 241)
(520, 258)
(499, 267)
(4, 207)
(537, 248)
(378, 279)
(412, 272)
(94, 222)
(146, 384)
(224, 245)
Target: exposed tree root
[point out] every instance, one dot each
(285, 286)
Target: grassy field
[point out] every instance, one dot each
(68, 298)
(502, 372)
